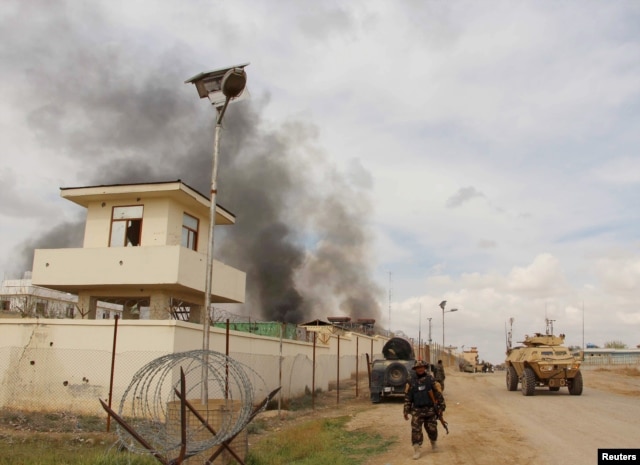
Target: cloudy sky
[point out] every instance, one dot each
(487, 151)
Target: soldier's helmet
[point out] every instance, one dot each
(420, 363)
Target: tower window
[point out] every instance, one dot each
(189, 232)
(126, 226)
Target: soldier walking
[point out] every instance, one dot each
(439, 374)
(422, 400)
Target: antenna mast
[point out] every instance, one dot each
(549, 326)
(509, 333)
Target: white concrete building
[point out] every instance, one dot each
(19, 297)
(145, 248)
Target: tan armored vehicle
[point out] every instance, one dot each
(543, 361)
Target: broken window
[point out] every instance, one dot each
(189, 232)
(126, 226)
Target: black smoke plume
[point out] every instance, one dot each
(125, 116)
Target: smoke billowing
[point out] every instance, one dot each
(124, 115)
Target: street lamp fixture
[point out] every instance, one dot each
(220, 87)
(220, 84)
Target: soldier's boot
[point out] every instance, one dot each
(416, 451)
(434, 445)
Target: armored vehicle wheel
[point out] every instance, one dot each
(397, 374)
(512, 379)
(375, 397)
(528, 382)
(554, 388)
(575, 385)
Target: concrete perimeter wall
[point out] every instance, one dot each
(54, 365)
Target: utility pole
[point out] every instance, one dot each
(389, 304)
(583, 330)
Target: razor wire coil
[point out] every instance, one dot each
(151, 406)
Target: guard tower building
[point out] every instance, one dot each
(145, 248)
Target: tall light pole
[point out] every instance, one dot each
(220, 87)
(583, 331)
(442, 305)
(420, 333)
(430, 354)
(389, 304)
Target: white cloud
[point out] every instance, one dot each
(630, 319)
(544, 275)
(620, 274)
(623, 170)
(487, 301)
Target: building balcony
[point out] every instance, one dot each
(170, 269)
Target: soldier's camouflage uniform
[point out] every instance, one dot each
(439, 375)
(418, 404)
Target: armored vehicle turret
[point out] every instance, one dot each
(542, 361)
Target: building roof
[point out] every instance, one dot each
(317, 322)
(177, 190)
(609, 350)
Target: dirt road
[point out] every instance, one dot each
(490, 425)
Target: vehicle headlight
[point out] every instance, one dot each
(546, 368)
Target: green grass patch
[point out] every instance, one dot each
(303, 402)
(318, 442)
(37, 438)
(59, 422)
(60, 438)
(65, 449)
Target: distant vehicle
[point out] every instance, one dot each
(389, 376)
(543, 361)
(484, 368)
(469, 368)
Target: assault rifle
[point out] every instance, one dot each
(438, 410)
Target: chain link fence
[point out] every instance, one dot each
(65, 379)
(612, 359)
